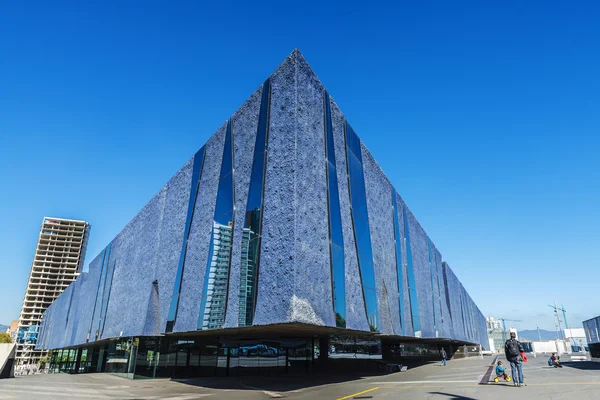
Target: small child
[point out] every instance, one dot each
(500, 371)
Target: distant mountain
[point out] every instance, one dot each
(532, 335)
(3, 328)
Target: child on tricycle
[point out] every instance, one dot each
(501, 373)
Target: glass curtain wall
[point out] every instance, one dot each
(336, 239)
(101, 278)
(398, 251)
(360, 221)
(216, 277)
(121, 355)
(197, 169)
(252, 231)
(110, 272)
(433, 288)
(412, 285)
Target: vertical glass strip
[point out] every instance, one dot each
(97, 292)
(105, 268)
(216, 276)
(252, 231)
(433, 290)
(445, 269)
(412, 285)
(69, 307)
(439, 290)
(398, 248)
(105, 306)
(360, 223)
(195, 184)
(336, 238)
(462, 312)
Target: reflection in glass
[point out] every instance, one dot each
(462, 311)
(216, 278)
(336, 240)
(439, 289)
(412, 286)
(103, 268)
(107, 288)
(251, 233)
(354, 347)
(398, 250)
(360, 220)
(445, 270)
(195, 184)
(433, 289)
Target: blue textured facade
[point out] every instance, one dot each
(268, 255)
(592, 336)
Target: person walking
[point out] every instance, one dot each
(513, 349)
(444, 355)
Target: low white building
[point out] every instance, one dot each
(577, 338)
(551, 346)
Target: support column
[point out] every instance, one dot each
(323, 350)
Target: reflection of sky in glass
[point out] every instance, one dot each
(216, 277)
(446, 290)
(196, 174)
(252, 225)
(107, 288)
(100, 275)
(412, 286)
(360, 219)
(432, 284)
(335, 224)
(437, 280)
(398, 244)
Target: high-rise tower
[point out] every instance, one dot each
(57, 262)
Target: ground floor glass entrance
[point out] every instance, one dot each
(188, 357)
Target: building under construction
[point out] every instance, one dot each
(57, 262)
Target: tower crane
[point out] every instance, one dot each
(504, 326)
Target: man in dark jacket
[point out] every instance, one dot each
(444, 355)
(513, 349)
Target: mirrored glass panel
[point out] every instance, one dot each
(101, 277)
(110, 275)
(336, 239)
(412, 285)
(216, 278)
(225, 196)
(339, 293)
(251, 232)
(433, 288)
(198, 165)
(398, 251)
(360, 220)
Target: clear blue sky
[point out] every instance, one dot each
(484, 115)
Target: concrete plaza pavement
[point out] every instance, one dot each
(460, 379)
(473, 379)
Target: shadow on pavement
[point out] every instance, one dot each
(586, 365)
(285, 383)
(268, 383)
(453, 396)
